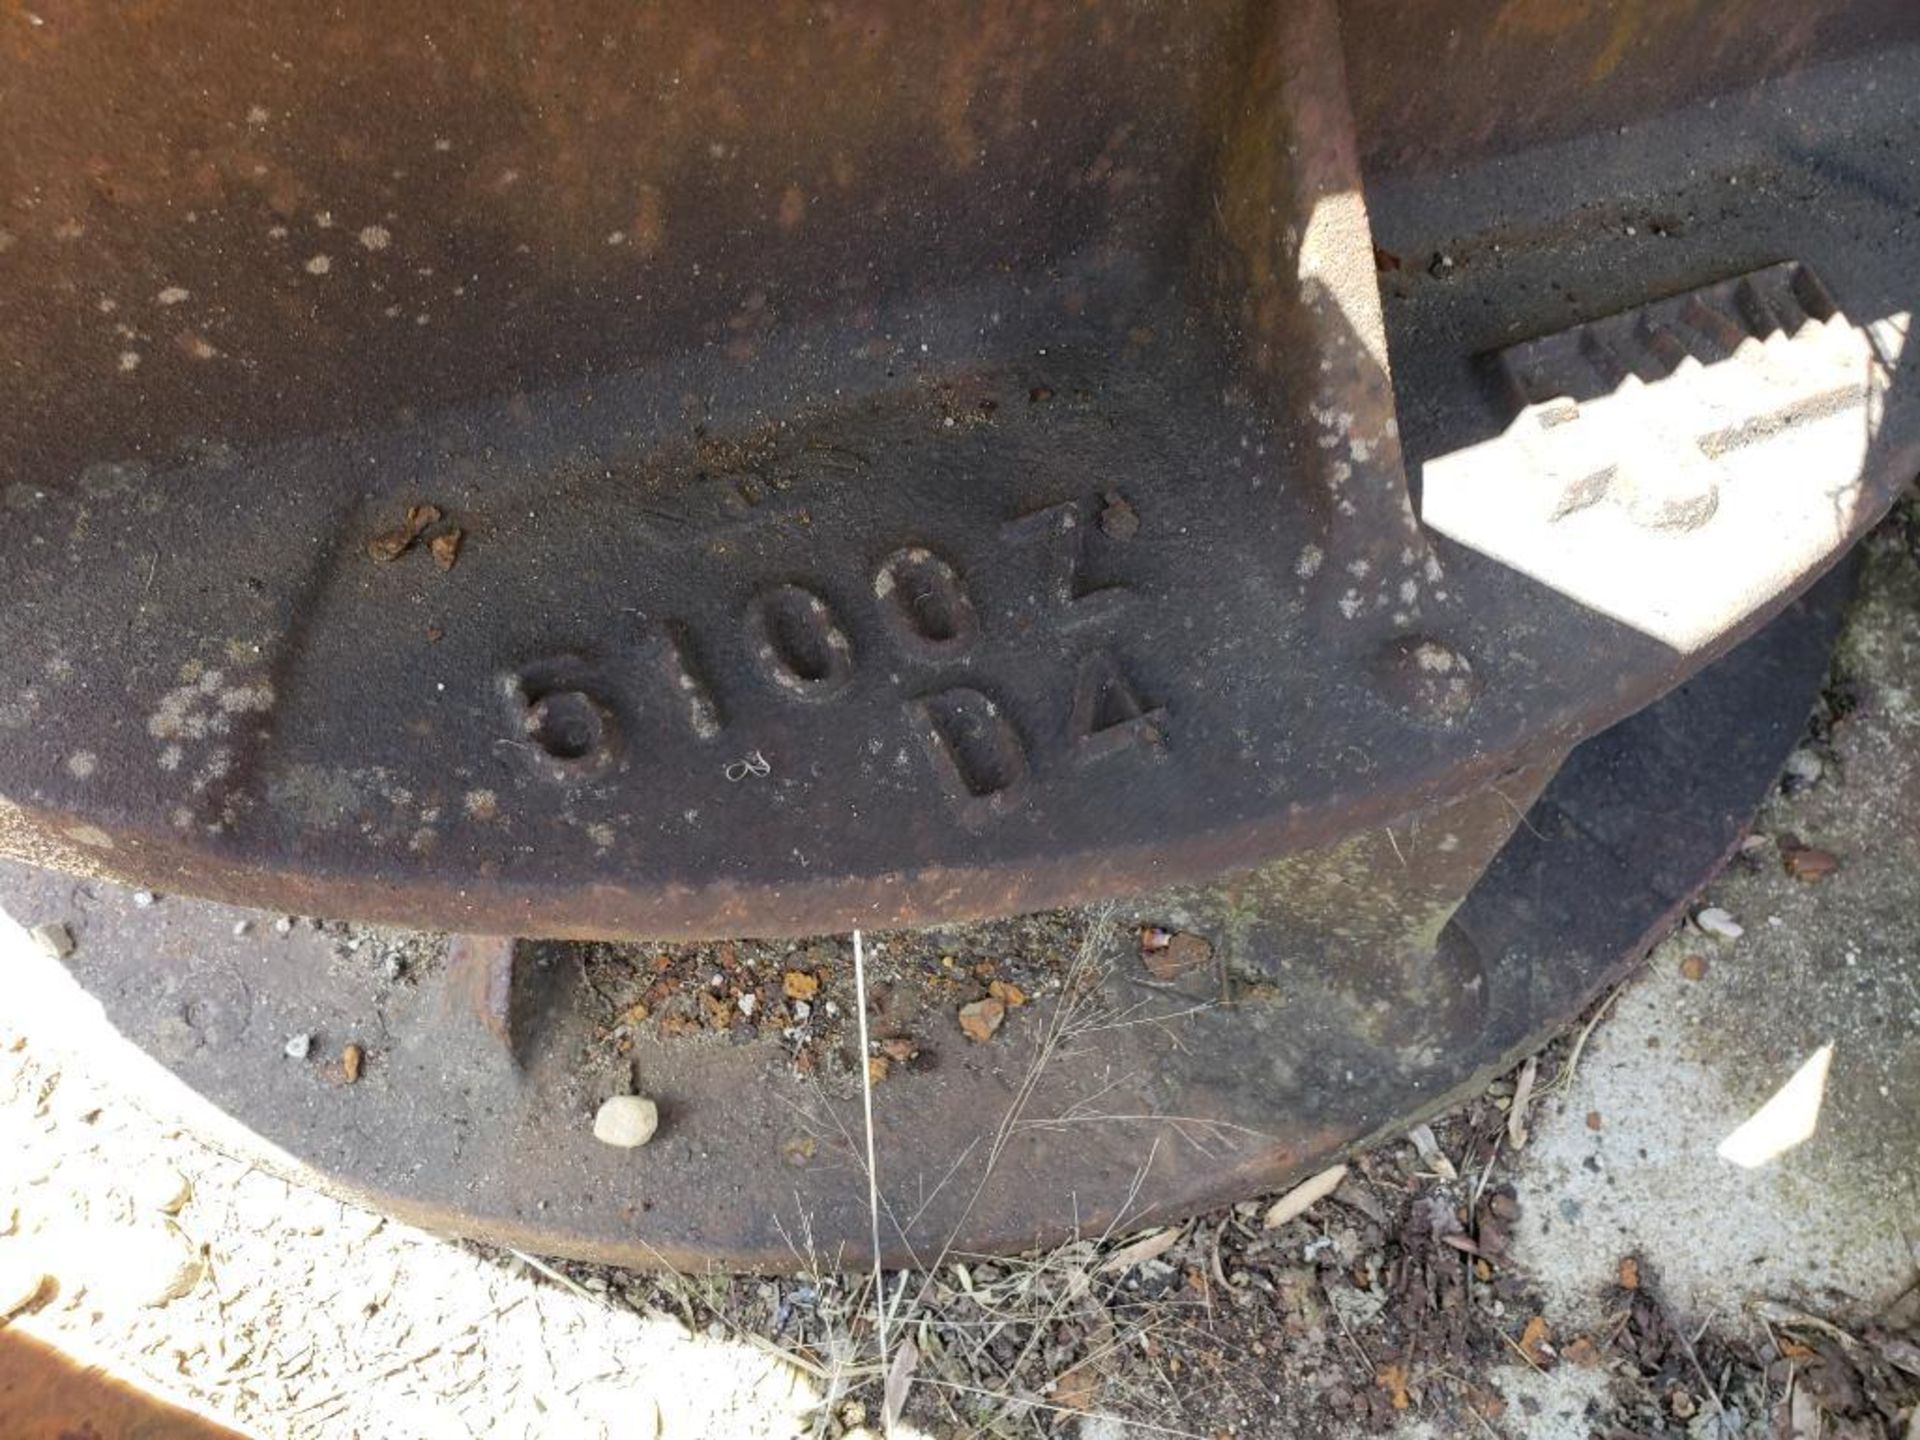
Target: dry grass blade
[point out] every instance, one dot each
(1431, 1155)
(899, 1378)
(1067, 1020)
(1522, 1097)
(1303, 1197)
(541, 1267)
(1042, 1322)
(1034, 1301)
(873, 1173)
(1564, 1080)
(1520, 1350)
(1788, 1318)
(1140, 1251)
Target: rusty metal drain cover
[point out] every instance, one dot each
(592, 474)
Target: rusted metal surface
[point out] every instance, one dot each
(574, 471)
(1438, 85)
(892, 473)
(1171, 1090)
(558, 189)
(479, 990)
(47, 1395)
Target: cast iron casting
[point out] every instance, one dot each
(574, 471)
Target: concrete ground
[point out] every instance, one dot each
(1824, 979)
(1740, 1123)
(1804, 1029)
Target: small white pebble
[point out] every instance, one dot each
(1719, 923)
(319, 265)
(283, 926)
(1805, 766)
(297, 1046)
(376, 237)
(172, 295)
(143, 899)
(626, 1121)
(241, 927)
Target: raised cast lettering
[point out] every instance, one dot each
(924, 604)
(1108, 716)
(798, 644)
(676, 678)
(1062, 529)
(976, 753)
